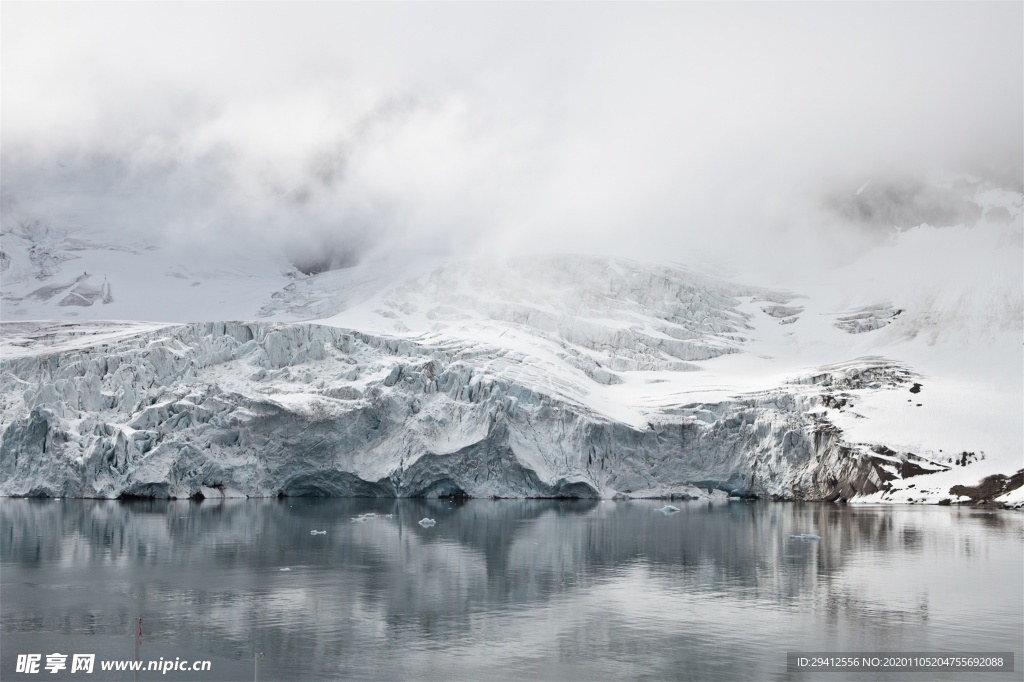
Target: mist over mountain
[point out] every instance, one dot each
(513, 250)
(338, 132)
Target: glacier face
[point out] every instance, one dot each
(262, 409)
(573, 376)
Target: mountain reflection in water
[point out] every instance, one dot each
(505, 589)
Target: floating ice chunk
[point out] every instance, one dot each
(805, 537)
(427, 523)
(668, 509)
(363, 517)
(284, 569)
(318, 532)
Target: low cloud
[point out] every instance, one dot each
(337, 131)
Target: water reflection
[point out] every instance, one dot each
(545, 589)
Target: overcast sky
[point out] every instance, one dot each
(650, 130)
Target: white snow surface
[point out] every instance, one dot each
(541, 375)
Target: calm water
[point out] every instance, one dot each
(504, 589)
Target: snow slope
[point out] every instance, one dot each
(540, 376)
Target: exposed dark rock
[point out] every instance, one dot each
(990, 487)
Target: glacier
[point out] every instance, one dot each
(544, 376)
(259, 409)
(503, 396)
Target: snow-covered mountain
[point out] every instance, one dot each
(894, 378)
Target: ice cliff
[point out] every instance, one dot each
(564, 376)
(265, 409)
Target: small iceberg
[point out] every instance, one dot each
(427, 523)
(318, 532)
(805, 537)
(668, 509)
(284, 569)
(363, 517)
